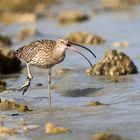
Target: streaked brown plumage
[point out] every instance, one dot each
(45, 54)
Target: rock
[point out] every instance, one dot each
(107, 136)
(27, 32)
(118, 4)
(95, 103)
(23, 108)
(26, 127)
(5, 41)
(2, 85)
(9, 18)
(85, 38)
(53, 129)
(8, 105)
(72, 16)
(113, 63)
(79, 92)
(8, 61)
(61, 71)
(121, 44)
(29, 128)
(22, 5)
(5, 131)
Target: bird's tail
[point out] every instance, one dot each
(19, 52)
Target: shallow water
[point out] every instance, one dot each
(119, 115)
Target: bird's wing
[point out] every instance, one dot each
(27, 52)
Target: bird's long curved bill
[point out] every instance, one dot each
(83, 47)
(74, 49)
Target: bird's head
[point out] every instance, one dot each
(63, 45)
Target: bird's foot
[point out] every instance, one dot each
(26, 85)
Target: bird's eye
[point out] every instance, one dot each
(61, 41)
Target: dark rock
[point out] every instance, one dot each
(79, 92)
(8, 61)
(113, 63)
(39, 84)
(5, 41)
(2, 85)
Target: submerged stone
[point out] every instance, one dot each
(53, 129)
(85, 38)
(107, 136)
(121, 44)
(113, 63)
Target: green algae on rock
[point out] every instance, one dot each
(113, 63)
(8, 61)
(72, 16)
(23, 108)
(95, 103)
(2, 85)
(85, 38)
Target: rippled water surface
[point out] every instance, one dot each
(74, 90)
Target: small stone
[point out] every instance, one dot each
(94, 103)
(53, 129)
(85, 38)
(23, 108)
(4, 131)
(8, 105)
(61, 71)
(39, 84)
(72, 16)
(121, 44)
(29, 128)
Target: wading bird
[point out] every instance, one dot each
(45, 54)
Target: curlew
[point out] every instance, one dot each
(45, 54)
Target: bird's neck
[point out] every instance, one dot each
(59, 53)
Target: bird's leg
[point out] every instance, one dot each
(28, 80)
(49, 86)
